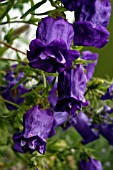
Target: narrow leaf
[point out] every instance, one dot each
(33, 8)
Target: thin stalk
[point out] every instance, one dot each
(5, 59)
(13, 48)
(7, 101)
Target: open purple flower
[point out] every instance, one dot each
(83, 125)
(71, 88)
(38, 126)
(90, 67)
(90, 164)
(91, 22)
(109, 94)
(50, 50)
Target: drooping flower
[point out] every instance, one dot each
(90, 67)
(90, 164)
(60, 118)
(75, 5)
(10, 94)
(71, 88)
(97, 12)
(109, 94)
(50, 51)
(106, 130)
(14, 95)
(83, 125)
(38, 126)
(90, 24)
(89, 34)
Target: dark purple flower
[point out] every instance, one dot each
(38, 125)
(106, 130)
(71, 87)
(89, 34)
(90, 164)
(83, 125)
(90, 67)
(50, 50)
(109, 94)
(98, 12)
(90, 24)
(73, 5)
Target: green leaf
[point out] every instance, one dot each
(33, 8)
(7, 10)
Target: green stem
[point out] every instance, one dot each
(7, 101)
(11, 22)
(13, 48)
(44, 78)
(8, 59)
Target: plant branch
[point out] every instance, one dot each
(11, 22)
(13, 48)
(13, 60)
(7, 101)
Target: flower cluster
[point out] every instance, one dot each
(51, 52)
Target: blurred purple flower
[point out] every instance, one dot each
(13, 95)
(38, 126)
(91, 164)
(90, 67)
(83, 125)
(106, 130)
(109, 94)
(50, 50)
(71, 88)
(108, 109)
